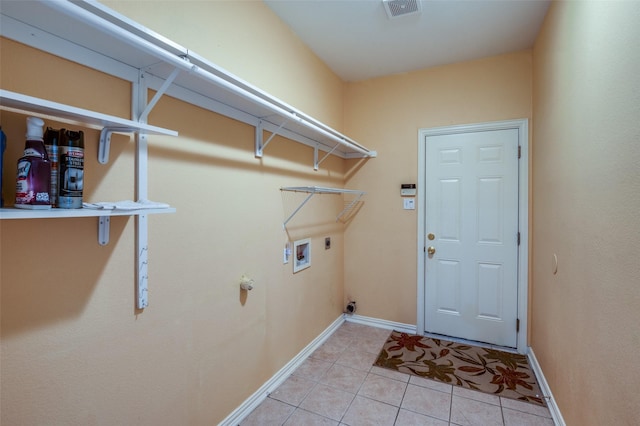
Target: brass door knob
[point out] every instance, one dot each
(431, 250)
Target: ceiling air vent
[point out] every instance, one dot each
(398, 8)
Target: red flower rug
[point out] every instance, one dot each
(488, 370)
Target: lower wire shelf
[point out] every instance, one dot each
(312, 190)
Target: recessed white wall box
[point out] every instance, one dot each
(302, 254)
(408, 190)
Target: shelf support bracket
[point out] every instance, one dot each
(103, 230)
(260, 145)
(284, 225)
(105, 141)
(161, 91)
(316, 163)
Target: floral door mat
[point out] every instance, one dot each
(487, 370)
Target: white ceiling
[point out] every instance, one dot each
(357, 40)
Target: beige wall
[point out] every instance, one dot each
(74, 350)
(586, 201)
(386, 114)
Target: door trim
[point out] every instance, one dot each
(522, 125)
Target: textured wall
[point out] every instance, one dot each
(74, 350)
(386, 114)
(586, 200)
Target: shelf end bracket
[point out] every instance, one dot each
(103, 230)
(105, 141)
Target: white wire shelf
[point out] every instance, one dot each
(313, 190)
(90, 33)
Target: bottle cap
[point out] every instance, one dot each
(34, 128)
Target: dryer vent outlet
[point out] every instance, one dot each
(351, 308)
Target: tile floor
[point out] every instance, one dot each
(338, 385)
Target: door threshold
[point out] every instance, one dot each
(470, 342)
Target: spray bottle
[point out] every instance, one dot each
(51, 142)
(70, 169)
(34, 170)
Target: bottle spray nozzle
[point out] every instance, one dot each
(34, 128)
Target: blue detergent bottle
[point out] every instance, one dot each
(3, 145)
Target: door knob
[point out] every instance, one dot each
(431, 250)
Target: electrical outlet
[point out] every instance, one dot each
(327, 243)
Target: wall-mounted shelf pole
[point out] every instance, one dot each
(140, 110)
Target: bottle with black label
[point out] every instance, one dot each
(51, 142)
(70, 169)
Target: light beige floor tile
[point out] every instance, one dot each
(427, 401)
(380, 334)
(366, 412)
(359, 360)
(368, 344)
(328, 351)
(409, 418)
(383, 389)
(301, 417)
(293, 390)
(476, 395)
(342, 340)
(526, 407)
(519, 418)
(391, 374)
(468, 412)
(312, 368)
(270, 412)
(344, 378)
(327, 402)
(354, 328)
(430, 383)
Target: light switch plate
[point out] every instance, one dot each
(409, 203)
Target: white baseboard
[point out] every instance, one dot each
(546, 390)
(272, 384)
(380, 323)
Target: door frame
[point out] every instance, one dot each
(522, 125)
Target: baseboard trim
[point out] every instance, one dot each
(546, 390)
(250, 404)
(380, 323)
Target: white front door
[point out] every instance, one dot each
(471, 241)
